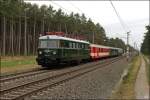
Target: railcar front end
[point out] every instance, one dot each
(48, 52)
(55, 50)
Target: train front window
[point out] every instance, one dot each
(48, 43)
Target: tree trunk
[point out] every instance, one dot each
(34, 44)
(25, 36)
(48, 27)
(4, 36)
(60, 28)
(43, 26)
(19, 36)
(9, 37)
(66, 29)
(12, 37)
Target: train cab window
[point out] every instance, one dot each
(61, 44)
(66, 44)
(48, 43)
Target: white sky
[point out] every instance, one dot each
(135, 15)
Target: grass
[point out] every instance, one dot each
(147, 67)
(126, 89)
(15, 61)
(17, 64)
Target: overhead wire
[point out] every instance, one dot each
(119, 17)
(81, 11)
(60, 6)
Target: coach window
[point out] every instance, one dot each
(70, 45)
(101, 49)
(82, 45)
(85, 46)
(79, 45)
(76, 45)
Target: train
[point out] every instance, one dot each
(55, 49)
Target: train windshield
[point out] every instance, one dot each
(48, 43)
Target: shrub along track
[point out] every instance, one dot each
(33, 85)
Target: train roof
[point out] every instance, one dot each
(55, 37)
(102, 46)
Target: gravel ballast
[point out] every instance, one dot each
(97, 84)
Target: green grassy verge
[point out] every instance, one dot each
(147, 67)
(17, 61)
(126, 89)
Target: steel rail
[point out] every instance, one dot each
(38, 87)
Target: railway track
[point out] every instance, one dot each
(23, 75)
(19, 73)
(34, 85)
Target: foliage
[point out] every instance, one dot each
(22, 23)
(145, 48)
(116, 43)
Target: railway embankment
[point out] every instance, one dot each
(141, 85)
(147, 64)
(97, 84)
(125, 89)
(93, 80)
(17, 64)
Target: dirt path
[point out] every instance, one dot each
(141, 85)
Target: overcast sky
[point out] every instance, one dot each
(135, 15)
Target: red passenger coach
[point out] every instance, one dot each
(99, 51)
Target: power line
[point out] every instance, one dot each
(76, 7)
(61, 6)
(123, 25)
(81, 11)
(69, 10)
(118, 16)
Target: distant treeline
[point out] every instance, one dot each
(145, 48)
(21, 24)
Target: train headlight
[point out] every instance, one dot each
(54, 52)
(40, 52)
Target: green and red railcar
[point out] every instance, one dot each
(54, 49)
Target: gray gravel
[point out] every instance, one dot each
(98, 84)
